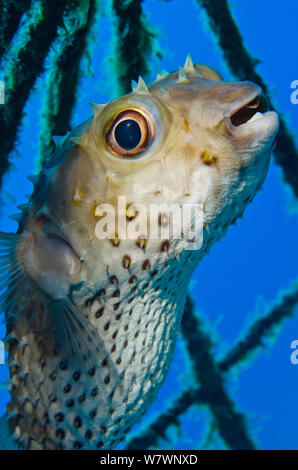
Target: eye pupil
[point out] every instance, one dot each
(128, 134)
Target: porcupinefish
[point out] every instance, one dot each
(92, 321)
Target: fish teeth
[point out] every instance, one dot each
(255, 117)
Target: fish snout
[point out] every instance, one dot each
(247, 115)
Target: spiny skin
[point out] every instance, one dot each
(132, 291)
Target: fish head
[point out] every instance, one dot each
(190, 138)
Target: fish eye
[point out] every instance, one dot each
(129, 134)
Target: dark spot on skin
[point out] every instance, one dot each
(111, 411)
(118, 421)
(118, 360)
(52, 398)
(118, 316)
(59, 417)
(60, 433)
(93, 413)
(146, 265)
(92, 372)
(133, 279)
(82, 398)
(132, 358)
(125, 344)
(154, 273)
(88, 434)
(107, 379)
(99, 312)
(115, 241)
(77, 422)
(113, 349)
(99, 445)
(94, 392)
(116, 306)
(107, 326)
(67, 388)
(126, 261)
(70, 403)
(165, 246)
(103, 429)
(113, 280)
(116, 293)
(42, 362)
(126, 328)
(76, 376)
(104, 363)
(53, 376)
(141, 243)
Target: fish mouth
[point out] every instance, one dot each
(249, 111)
(251, 117)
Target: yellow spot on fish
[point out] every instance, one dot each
(186, 125)
(131, 213)
(208, 158)
(78, 196)
(98, 212)
(115, 241)
(126, 261)
(141, 243)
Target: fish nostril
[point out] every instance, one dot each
(243, 115)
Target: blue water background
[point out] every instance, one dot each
(245, 272)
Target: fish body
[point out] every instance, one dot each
(91, 320)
